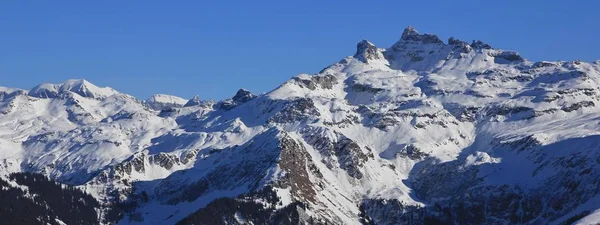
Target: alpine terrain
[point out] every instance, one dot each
(423, 132)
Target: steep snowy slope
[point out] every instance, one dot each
(422, 132)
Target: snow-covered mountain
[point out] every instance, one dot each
(422, 132)
(162, 101)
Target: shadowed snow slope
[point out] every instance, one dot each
(422, 132)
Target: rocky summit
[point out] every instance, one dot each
(422, 132)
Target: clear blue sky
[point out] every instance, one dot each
(211, 48)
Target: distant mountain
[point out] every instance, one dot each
(423, 132)
(162, 101)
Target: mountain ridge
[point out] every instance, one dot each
(420, 132)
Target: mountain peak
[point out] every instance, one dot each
(480, 45)
(365, 43)
(9, 90)
(193, 101)
(78, 81)
(161, 101)
(6, 92)
(411, 34)
(454, 41)
(366, 51)
(164, 98)
(243, 95)
(79, 86)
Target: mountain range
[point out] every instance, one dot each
(423, 132)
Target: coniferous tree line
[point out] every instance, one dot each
(224, 211)
(43, 201)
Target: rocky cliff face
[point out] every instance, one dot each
(422, 132)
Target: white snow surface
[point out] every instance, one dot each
(591, 219)
(161, 101)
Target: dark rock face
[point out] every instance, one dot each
(412, 152)
(578, 106)
(243, 95)
(123, 194)
(411, 34)
(461, 46)
(366, 51)
(349, 155)
(498, 75)
(457, 193)
(295, 160)
(259, 206)
(454, 41)
(227, 175)
(469, 114)
(297, 110)
(508, 56)
(365, 88)
(544, 64)
(515, 112)
(325, 82)
(480, 45)
(163, 160)
(390, 118)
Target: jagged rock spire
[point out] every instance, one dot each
(454, 41)
(194, 101)
(243, 95)
(480, 45)
(240, 97)
(411, 34)
(366, 51)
